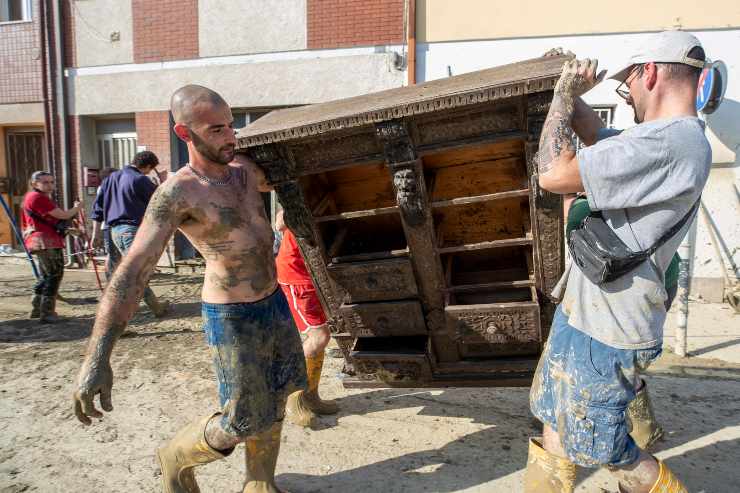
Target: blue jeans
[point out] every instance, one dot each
(114, 256)
(582, 388)
(122, 237)
(258, 358)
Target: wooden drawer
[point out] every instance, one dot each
(393, 360)
(393, 318)
(377, 280)
(496, 329)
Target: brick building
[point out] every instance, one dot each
(123, 59)
(85, 83)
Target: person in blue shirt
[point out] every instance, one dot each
(121, 204)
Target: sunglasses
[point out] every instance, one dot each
(625, 93)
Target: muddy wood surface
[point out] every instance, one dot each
(402, 440)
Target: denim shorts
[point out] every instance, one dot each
(258, 358)
(582, 388)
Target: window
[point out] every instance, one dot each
(15, 10)
(116, 150)
(606, 113)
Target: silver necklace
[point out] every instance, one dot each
(211, 181)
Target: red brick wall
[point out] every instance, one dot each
(21, 61)
(75, 165)
(165, 30)
(68, 35)
(153, 131)
(337, 23)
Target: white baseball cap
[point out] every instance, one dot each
(662, 47)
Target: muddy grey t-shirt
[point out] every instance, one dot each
(644, 180)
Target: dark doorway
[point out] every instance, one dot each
(25, 153)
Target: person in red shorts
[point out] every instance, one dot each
(308, 314)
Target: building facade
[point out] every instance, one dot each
(122, 60)
(452, 40)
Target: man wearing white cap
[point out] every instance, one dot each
(643, 184)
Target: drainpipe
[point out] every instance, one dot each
(684, 270)
(411, 43)
(61, 113)
(45, 32)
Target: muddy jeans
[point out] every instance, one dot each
(582, 388)
(258, 358)
(122, 237)
(114, 256)
(51, 264)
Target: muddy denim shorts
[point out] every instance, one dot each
(258, 358)
(582, 388)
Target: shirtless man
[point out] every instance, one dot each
(215, 201)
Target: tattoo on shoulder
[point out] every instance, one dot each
(167, 205)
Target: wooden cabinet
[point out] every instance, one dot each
(418, 212)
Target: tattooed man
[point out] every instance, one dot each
(215, 201)
(643, 180)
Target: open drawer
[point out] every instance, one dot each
(386, 319)
(495, 322)
(392, 359)
(376, 280)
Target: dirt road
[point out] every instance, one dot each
(452, 440)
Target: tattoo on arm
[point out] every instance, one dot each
(126, 287)
(557, 132)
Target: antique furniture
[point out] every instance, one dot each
(420, 218)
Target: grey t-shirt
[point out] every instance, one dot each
(644, 180)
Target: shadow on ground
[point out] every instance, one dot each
(445, 469)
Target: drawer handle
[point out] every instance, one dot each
(491, 328)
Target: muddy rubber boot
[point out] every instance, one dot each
(186, 450)
(159, 308)
(644, 428)
(35, 306)
(667, 482)
(46, 310)
(313, 401)
(297, 410)
(261, 455)
(303, 406)
(547, 473)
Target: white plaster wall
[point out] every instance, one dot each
(719, 195)
(275, 83)
(21, 113)
(95, 21)
(263, 26)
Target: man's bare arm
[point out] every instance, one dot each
(121, 298)
(586, 122)
(556, 159)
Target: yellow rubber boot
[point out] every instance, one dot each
(302, 407)
(261, 454)
(667, 482)
(547, 473)
(644, 428)
(186, 450)
(315, 403)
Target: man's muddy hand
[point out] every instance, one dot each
(579, 77)
(95, 378)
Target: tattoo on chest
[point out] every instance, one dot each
(255, 266)
(215, 249)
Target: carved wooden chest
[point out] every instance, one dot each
(419, 215)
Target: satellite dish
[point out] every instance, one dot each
(711, 88)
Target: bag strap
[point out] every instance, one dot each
(675, 229)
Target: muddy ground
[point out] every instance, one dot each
(404, 440)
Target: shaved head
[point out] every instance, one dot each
(189, 100)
